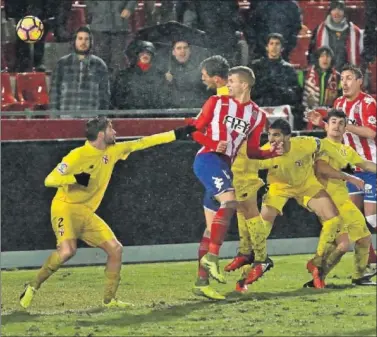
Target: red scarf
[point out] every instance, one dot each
(354, 45)
(144, 66)
(313, 88)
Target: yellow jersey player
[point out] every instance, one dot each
(328, 171)
(292, 176)
(81, 179)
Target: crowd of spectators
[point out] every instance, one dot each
(109, 69)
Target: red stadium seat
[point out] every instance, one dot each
(76, 18)
(8, 101)
(314, 14)
(299, 55)
(32, 88)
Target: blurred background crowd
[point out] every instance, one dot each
(125, 55)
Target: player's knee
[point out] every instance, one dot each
(116, 250)
(364, 242)
(67, 252)
(343, 245)
(230, 204)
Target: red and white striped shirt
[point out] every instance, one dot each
(362, 112)
(225, 119)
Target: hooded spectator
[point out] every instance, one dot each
(80, 80)
(341, 35)
(139, 87)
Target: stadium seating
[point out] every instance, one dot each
(298, 56)
(8, 101)
(32, 88)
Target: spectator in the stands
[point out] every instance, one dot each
(183, 77)
(80, 79)
(140, 86)
(221, 21)
(187, 14)
(109, 22)
(320, 82)
(268, 17)
(341, 35)
(276, 80)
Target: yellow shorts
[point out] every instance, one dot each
(71, 221)
(353, 220)
(278, 194)
(245, 189)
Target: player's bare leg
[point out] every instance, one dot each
(64, 252)
(114, 250)
(219, 229)
(245, 210)
(259, 228)
(323, 206)
(202, 287)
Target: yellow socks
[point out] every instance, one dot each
(257, 232)
(112, 280)
(268, 228)
(50, 266)
(360, 256)
(331, 261)
(245, 242)
(328, 234)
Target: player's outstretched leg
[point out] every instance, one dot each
(258, 269)
(245, 255)
(114, 250)
(202, 287)
(219, 229)
(51, 265)
(360, 276)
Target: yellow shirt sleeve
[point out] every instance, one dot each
(354, 157)
(123, 149)
(333, 152)
(63, 173)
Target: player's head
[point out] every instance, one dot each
(275, 45)
(214, 71)
(181, 51)
(351, 79)
(240, 80)
(279, 131)
(336, 123)
(83, 40)
(100, 129)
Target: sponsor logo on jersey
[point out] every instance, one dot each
(237, 124)
(105, 158)
(372, 120)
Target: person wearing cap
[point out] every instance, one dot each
(80, 79)
(139, 87)
(341, 35)
(320, 82)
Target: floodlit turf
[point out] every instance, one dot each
(277, 305)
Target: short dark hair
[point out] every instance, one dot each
(245, 73)
(216, 66)
(275, 36)
(282, 125)
(356, 70)
(96, 125)
(336, 113)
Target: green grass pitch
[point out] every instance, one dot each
(68, 304)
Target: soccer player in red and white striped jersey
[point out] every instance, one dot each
(224, 123)
(360, 109)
